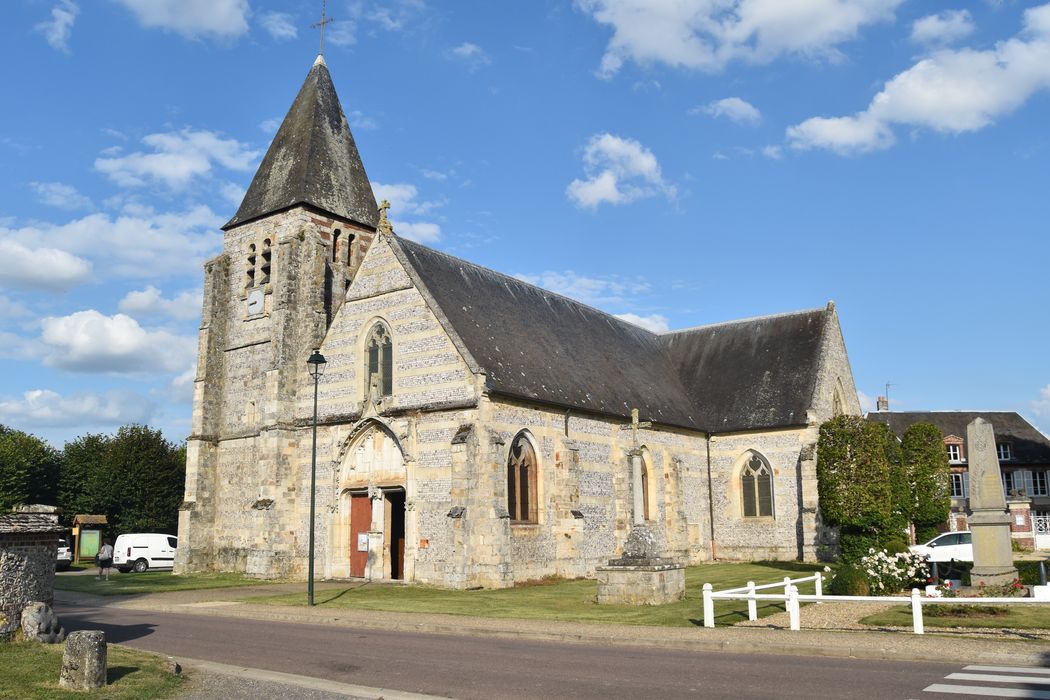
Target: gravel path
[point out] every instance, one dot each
(215, 686)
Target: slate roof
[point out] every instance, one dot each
(313, 160)
(754, 373)
(1027, 445)
(537, 345)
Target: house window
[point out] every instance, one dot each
(521, 481)
(1004, 451)
(1033, 483)
(380, 365)
(756, 482)
(1039, 484)
(960, 485)
(954, 453)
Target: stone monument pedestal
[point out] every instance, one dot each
(992, 554)
(640, 577)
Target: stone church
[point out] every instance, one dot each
(473, 429)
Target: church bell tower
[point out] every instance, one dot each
(289, 254)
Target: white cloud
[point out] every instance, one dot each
(60, 195)
(1041, 406)
(150, 301)
(46, 408)
(88, 341)
(422, 231)
(589, 290)
(950, 91)
(9, 308)
(708, 34)
(341, 33)
(404, 201)
(177, 158)
(270, 126)
(733, 108)
(40, 268)
(279, 25)
(58, 29)
(361, 121)
(618, 171)
(180, 390)
(867, 404)
(471, 54)
(943, 28)
(138, 243)
(221, 19)
(232, 193)
(654, 323)
(774, 152)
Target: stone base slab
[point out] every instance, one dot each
(641, 585)
(992, 576)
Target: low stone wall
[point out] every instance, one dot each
(27, 573)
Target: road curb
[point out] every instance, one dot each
(307, 682)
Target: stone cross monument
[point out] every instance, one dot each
(641, 576)
(988, 518)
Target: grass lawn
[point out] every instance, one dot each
(29, 671)
(564, 600)
(151, 582)
(1025, 616)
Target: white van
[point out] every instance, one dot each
(142, 552)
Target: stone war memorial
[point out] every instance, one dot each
(988, 516)
(474, 429)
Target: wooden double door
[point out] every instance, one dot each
(361, 518)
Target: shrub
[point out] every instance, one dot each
(965, 610)
(849, 580)
(1028, 572)
(890, 573)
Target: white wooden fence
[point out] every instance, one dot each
(792, 600)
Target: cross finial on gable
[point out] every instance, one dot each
(321, 25)
(634, 426)
(384, 225)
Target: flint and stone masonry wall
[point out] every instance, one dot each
(27, 574)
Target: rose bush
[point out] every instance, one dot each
(888, 574)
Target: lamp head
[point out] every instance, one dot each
(316, 363)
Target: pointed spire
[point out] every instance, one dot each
(313, 161)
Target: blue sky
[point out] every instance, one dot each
(681, 161)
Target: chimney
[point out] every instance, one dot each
(882, 403)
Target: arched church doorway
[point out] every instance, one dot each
(370, 527)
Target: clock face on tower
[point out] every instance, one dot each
(255, 302)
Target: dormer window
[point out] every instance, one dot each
(380, 367)
(250, 281)
(1003, 448)
(267, 256)
(954, 453)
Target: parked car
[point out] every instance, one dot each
(65, 556)
(950, 546)
(144, 551)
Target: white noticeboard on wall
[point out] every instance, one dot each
(362, 541)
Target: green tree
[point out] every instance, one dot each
(928, 479)
(28, 470)
(147, 476)
(853, 483)
(84, 484)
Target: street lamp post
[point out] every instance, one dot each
(316, 364)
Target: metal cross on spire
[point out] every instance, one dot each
(322, 23)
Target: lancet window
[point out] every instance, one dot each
(379, 371)
(521, 481)
(756, 482)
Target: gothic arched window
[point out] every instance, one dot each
(756, 483)
(645, 490)
(521, 481)
(379, 370)
(836, 404)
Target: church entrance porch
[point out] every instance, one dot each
(371, 523)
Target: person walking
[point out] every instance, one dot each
(105, 559)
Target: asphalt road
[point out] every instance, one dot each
(465, 667)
